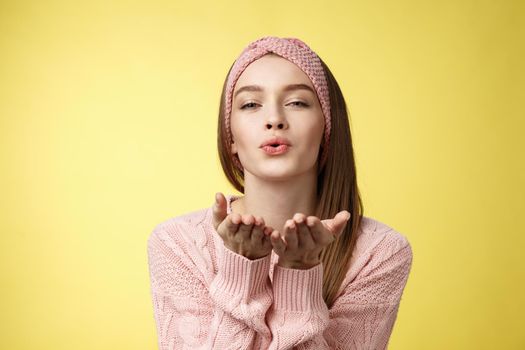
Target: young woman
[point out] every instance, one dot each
(292, 263)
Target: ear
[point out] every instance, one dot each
(233, 147)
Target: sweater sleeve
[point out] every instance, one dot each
(362, 317)
(299, 314)
(228, 313)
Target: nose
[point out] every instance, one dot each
(276, 122)
(270, 125)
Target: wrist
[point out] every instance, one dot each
(299, 265)
(247, 254)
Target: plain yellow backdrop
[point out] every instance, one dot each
(108, 113)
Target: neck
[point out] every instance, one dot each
(278, 201)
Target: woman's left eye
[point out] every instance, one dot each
(300, 103)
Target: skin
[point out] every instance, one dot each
(280, 191)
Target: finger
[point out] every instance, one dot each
(257, 232)
(266, 243)
(232, 223)
(320, 234)
(278, 244)
(290, 235)
(219, 209)
(337, 224)
(236, 218)
(305, 240)
(260, 220)
(245, 228)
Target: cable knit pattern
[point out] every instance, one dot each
(208, 297)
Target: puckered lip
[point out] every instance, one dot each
(276, 141)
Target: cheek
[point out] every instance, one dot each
(314, 134)
(243, 132)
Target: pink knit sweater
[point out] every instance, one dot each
(208, 297)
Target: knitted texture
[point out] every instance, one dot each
(205, 296)
(297, 52)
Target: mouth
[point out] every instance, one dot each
(275, 144)
(275, 149)
(276, 141)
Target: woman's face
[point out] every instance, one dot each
(274, 110)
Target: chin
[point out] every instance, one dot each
(278, 172)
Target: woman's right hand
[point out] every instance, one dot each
(246, 235)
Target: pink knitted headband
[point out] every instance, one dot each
(295, 51)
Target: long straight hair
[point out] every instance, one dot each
(336, 185)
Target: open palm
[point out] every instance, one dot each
(302, 239)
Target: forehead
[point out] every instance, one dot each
(272, 71)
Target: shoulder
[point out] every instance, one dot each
(180, 231)
(376, 237)
(184, 242)
(379, 267)
(379, 248)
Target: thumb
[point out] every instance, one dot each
(219, 209)
(338, 223)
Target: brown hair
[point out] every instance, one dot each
(336, 185)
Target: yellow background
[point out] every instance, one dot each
(108, 113)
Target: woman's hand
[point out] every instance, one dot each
(246, 235)
(303, 238)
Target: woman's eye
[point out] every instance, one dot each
(299, 103)
(247, 104)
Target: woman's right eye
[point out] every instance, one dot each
(247, 104)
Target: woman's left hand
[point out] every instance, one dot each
(300, 244)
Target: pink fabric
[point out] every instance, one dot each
(208, 297)
(295, 51)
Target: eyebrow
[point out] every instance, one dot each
(290, 87)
